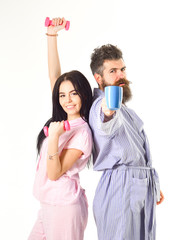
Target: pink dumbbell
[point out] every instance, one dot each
(48, 22)
(66, 128)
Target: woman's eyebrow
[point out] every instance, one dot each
(69, 92)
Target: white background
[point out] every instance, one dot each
(139, 28)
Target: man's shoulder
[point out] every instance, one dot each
(97, 93)
(131, 111)
(133, 116)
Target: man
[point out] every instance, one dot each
(126, 196)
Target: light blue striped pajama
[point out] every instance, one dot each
(125, 199)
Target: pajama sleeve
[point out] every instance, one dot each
(97, 120)
(81, 140)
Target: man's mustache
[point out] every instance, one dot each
(122, 81)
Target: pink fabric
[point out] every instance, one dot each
(66, 189)
(61, 222)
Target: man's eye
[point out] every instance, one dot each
(123, 69)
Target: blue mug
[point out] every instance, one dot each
(113, 95)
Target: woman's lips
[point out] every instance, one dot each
(70, 107)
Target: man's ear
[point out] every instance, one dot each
(98, 78)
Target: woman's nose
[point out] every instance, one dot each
(68, 98)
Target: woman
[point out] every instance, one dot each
(64, 210)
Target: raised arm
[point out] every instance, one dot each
(53, 56)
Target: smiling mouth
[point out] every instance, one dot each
(70, 107)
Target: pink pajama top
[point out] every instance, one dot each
(67, 189)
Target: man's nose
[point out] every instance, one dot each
(120, 74)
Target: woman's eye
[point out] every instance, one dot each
(62, 95)
(74, 93)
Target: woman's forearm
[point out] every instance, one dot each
(53, 160)
(53, 56)
(53, 60)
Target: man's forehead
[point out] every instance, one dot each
(118, 63)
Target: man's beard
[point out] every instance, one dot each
(127, 94)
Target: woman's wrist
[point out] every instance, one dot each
(52, 31)
(52, 35)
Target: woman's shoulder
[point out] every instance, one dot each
(79, 125)
(84, 130)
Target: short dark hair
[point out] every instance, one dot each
(101, 54)
(84, 91)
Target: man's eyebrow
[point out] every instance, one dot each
(113, 69)
(117, 68)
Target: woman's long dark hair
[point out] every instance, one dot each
(82, 86)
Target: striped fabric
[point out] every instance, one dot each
(125, 198)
